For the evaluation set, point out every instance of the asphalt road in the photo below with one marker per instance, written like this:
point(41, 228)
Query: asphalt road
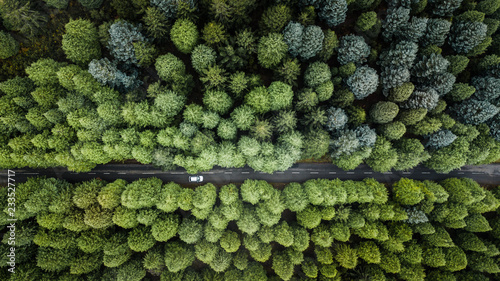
point(486, 174)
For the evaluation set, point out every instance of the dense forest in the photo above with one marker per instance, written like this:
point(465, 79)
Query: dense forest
point(324, 229)
point(194, 84)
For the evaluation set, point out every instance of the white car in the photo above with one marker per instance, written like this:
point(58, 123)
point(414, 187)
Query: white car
point(195, 178)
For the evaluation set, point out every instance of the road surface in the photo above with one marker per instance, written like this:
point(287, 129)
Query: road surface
point(485, 174)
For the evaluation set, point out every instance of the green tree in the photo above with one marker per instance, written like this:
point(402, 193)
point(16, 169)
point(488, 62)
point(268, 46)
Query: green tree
point(275, 18)
point(383, 157)
point(8, 45)
point(80, 42)
point(184, 35)
point(384, 112)
point(282, 265)
point(178, 256)
point(140, 239)
point(214, 33)
point(272, 50)
point(280, 95)
point(156, 23)
point(230, 241)
point(218, 101)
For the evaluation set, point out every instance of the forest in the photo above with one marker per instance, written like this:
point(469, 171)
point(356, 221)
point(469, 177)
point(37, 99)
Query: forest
point(251, 231)
point(194, 84)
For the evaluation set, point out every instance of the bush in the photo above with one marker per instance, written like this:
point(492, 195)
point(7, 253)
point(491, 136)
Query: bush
point(271, 50)
point(8, 45)
point(184, 35)
point(80, 42)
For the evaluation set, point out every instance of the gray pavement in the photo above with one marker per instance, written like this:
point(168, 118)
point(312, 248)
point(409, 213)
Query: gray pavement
point(485, 174)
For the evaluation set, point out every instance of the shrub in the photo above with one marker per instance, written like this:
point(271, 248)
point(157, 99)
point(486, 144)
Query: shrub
point(354, 49)
point(271, 50)
point(184, 35)
point(80, 42)
point(8, 45)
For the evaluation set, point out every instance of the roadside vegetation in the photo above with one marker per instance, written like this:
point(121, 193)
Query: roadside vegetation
point(317, 230)
point(194, 84)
